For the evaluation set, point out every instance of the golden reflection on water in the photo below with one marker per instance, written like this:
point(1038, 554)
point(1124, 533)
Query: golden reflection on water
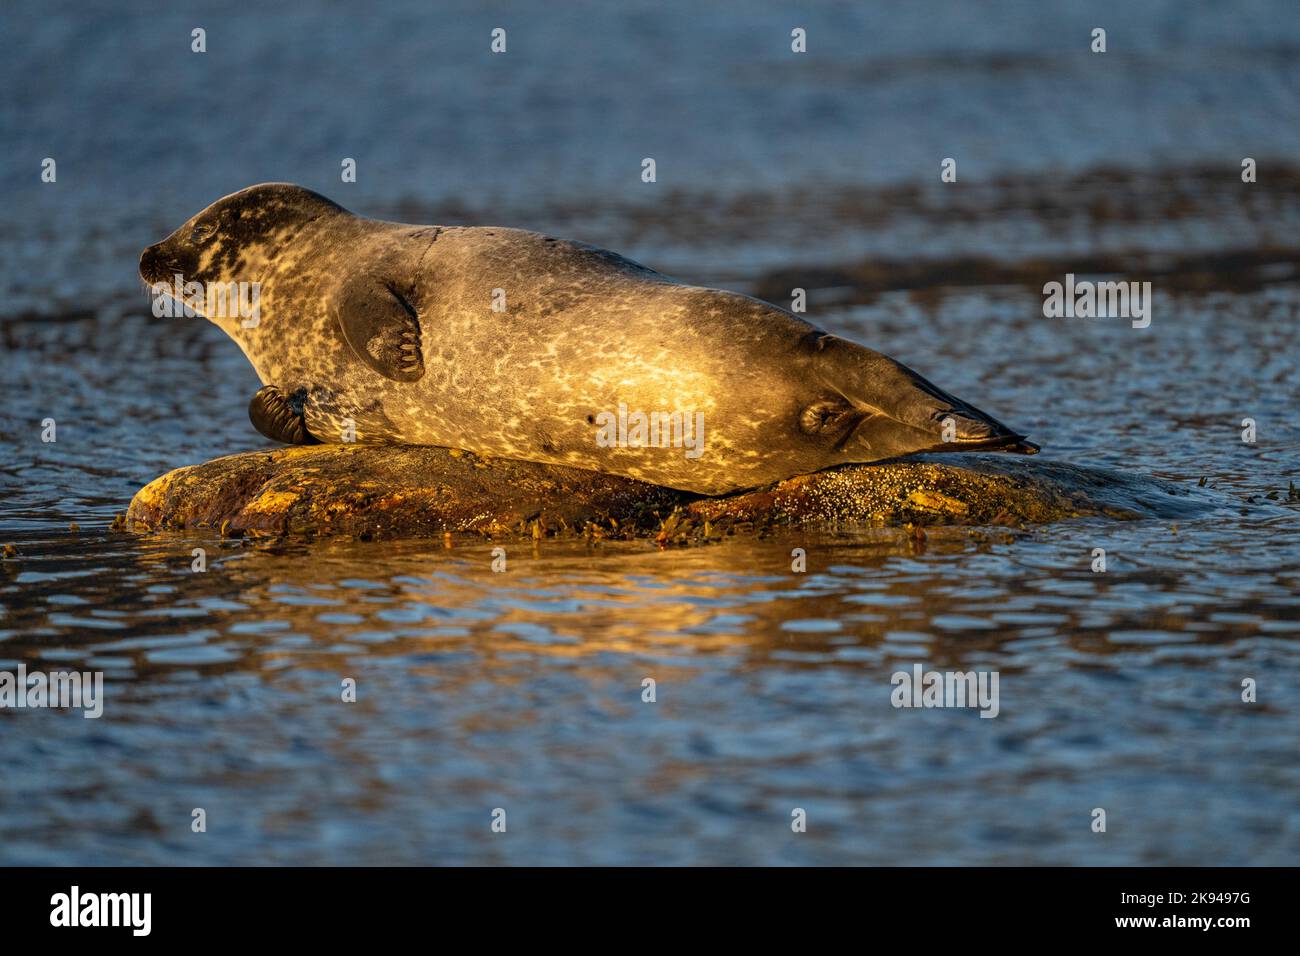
point(135, 607)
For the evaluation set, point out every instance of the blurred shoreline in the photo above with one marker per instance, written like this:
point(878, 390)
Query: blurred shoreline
point(1194, 229)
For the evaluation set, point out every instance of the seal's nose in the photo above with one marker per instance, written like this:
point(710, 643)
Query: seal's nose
point(149, 263)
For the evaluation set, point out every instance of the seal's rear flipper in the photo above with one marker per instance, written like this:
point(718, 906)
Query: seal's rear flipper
point(279, 418)
point(903, 412)
point(382, 329)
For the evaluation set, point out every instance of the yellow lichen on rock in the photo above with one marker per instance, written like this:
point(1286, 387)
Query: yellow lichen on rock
point(273, 502)
point(937, 502)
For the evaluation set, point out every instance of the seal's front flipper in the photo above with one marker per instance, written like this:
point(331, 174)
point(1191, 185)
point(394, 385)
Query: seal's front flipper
point(383, 330)
point(280, 418)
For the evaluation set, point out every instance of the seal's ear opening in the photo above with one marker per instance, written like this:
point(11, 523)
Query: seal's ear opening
point(382, 329)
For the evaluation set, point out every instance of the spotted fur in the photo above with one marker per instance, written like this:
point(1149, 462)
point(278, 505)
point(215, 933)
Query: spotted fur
point(584, 332)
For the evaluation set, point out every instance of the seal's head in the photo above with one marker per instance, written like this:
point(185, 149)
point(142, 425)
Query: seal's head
point(235, 239)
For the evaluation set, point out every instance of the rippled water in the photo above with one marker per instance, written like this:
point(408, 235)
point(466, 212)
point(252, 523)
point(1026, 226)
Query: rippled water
point(523, 690)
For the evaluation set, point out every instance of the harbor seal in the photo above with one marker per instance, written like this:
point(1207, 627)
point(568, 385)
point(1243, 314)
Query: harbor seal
point(513, 344)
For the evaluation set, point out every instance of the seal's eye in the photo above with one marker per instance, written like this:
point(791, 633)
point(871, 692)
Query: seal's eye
point(202, 231)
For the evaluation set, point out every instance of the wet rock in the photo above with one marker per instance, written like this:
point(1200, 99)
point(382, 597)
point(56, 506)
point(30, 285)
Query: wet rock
point(372, 491)
point(960, 489)
point(392, 490)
